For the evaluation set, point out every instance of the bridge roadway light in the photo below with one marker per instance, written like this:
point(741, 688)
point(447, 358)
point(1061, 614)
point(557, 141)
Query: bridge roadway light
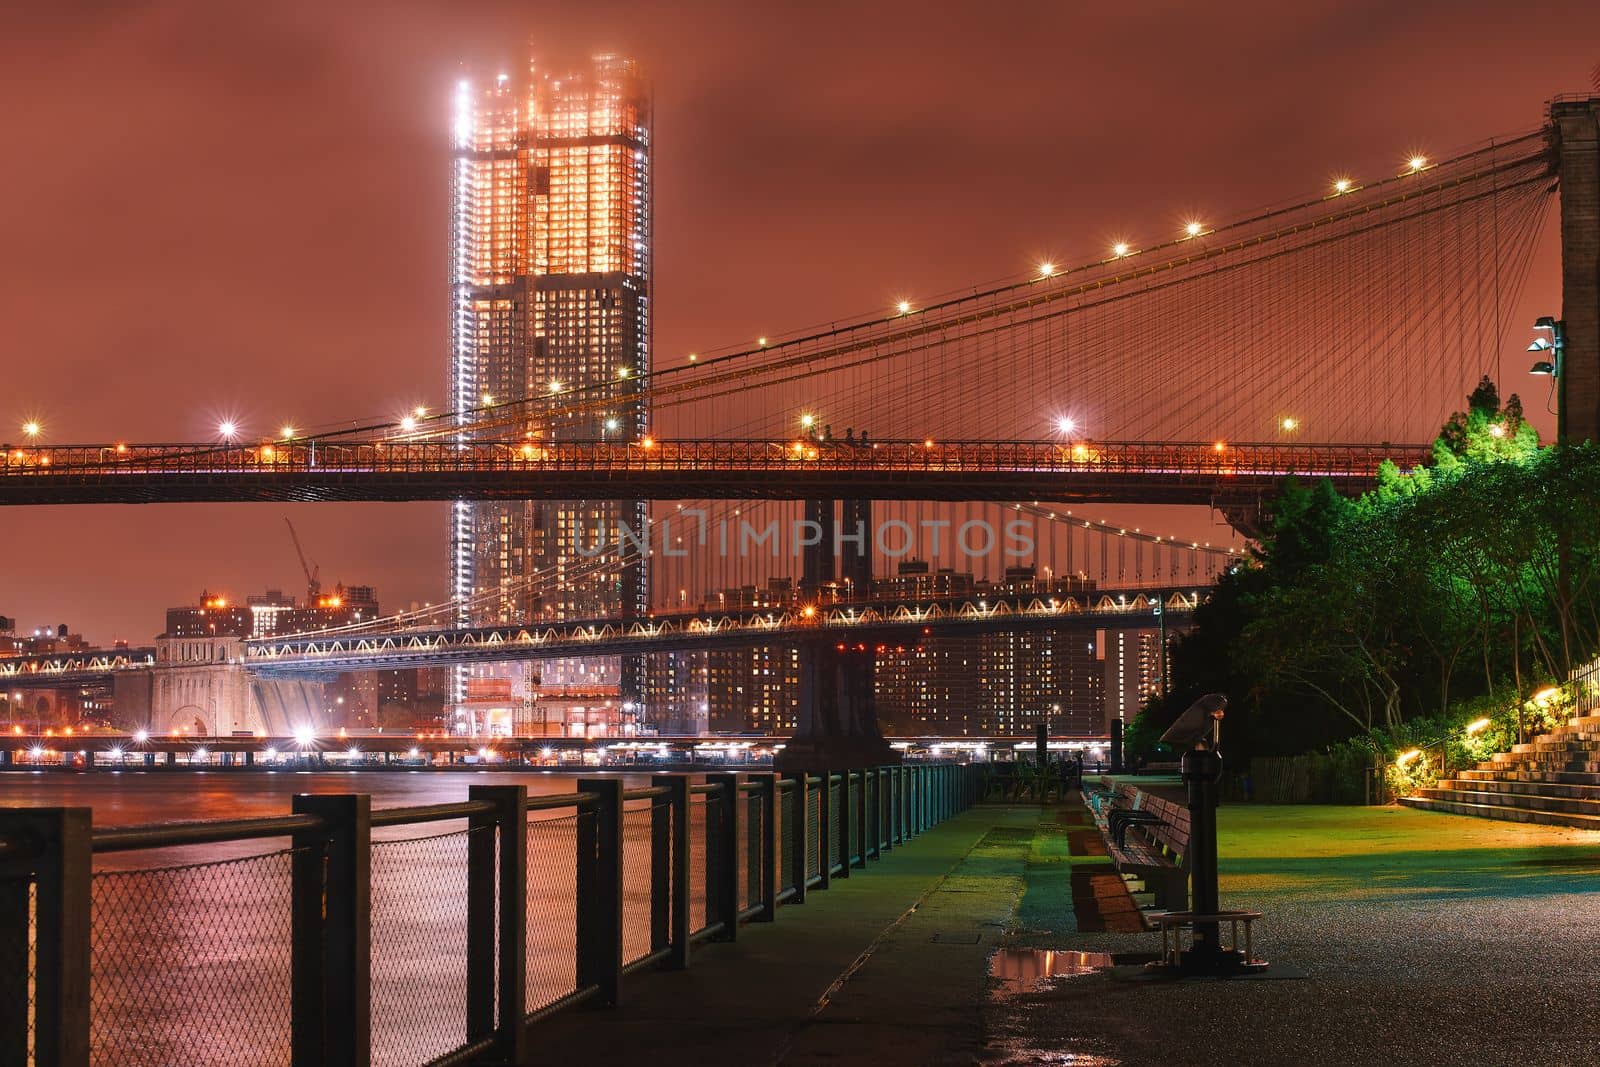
point(1120, 249)
point(1066, 426)
point(31, 428)
point(1194, 229)
point(1417, 163)
point(227, 429)
point(1343, 185)
point(903, 307)
point(1047, 270)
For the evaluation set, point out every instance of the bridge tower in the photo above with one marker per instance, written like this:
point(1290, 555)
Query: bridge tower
point(1575, 139)
point(837, 726)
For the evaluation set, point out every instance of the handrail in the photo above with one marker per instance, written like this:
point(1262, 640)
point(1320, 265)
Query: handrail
point(556, 801)
point(431, 813)
point(168, 835)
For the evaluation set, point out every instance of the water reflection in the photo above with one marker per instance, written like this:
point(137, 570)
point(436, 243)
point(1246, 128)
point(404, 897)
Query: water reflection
point(1028, 970)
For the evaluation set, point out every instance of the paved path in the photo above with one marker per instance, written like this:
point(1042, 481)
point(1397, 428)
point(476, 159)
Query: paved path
point(888, 966)
point(1425, 939)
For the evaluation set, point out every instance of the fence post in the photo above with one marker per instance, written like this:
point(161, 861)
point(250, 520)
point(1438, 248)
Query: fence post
point(897, 797)
point(800, 843)
point(825, 817)
point(660, 872)
point(861, 818)
point(771, 837)
point(845, 813)
point(678, 812)
point(56, 859)
point(726, 849)
point(506, 826)
point(343, 909)
point(869, 813)
point(600, 891)
point(885, 778)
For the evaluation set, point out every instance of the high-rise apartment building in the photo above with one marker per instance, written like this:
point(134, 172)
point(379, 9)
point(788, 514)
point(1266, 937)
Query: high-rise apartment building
point(550, 333)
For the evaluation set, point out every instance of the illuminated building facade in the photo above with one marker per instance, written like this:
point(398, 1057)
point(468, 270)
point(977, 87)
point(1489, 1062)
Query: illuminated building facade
point(1132, 670)
point(550, 277)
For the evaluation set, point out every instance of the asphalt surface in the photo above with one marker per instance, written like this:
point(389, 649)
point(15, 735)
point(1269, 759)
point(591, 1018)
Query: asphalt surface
point(1421, 938)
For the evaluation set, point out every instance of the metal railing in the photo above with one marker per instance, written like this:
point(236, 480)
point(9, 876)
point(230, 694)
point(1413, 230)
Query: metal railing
point(1276, 459)
point(440, 944)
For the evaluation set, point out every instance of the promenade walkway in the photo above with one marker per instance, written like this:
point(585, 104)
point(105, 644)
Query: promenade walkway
point(1425, 939)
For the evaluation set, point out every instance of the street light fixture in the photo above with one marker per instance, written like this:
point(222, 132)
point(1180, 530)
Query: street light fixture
point(1556, 345)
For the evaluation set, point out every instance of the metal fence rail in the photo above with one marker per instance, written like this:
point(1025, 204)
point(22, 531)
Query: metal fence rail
point(439, 945)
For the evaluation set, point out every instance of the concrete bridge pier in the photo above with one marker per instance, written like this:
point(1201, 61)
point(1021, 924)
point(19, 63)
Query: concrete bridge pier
point(838, 722)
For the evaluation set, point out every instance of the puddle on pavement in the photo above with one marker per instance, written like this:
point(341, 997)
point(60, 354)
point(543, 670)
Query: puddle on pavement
point(1019, 971)
point(1021, 1054)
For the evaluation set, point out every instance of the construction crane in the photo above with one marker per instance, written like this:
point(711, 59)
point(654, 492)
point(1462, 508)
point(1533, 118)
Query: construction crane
point(313, 571)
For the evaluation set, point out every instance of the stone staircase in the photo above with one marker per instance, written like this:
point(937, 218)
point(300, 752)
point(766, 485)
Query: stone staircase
point(1554, 779)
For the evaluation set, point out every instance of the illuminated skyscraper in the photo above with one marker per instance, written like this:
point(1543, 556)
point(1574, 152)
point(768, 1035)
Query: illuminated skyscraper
point(550, 287)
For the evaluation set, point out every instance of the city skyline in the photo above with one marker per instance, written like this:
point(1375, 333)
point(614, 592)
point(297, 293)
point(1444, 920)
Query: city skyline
point(163, 382)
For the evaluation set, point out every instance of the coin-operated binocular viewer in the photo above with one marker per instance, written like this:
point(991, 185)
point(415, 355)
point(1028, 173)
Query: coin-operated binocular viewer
point(1198, 732)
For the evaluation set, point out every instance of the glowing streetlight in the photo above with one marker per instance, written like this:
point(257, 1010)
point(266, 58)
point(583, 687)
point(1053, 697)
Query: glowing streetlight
point(227, 429)
point(1497, 430)
point(1066, 426)
point(286, 431)
point(762, 341)
point(1475, 725)
point(1290, 424)
point(1047, 270)
point(1120, 249)
point(1343, 185)
point(807, 421)
point(31, 428)
point(419, 411)
point(1416, 163)
point(903, 307)
point(555, 387)
point(611, 424)
point(624, 372)
point(408, 424)
point(1194, 229)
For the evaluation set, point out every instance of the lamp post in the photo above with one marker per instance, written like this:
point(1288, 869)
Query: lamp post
point(1556, 345)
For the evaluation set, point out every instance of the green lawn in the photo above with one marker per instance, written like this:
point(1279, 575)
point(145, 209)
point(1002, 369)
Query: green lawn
point(1371, 853)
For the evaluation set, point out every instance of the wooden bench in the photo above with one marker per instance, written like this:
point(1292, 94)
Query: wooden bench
point(1147, 836)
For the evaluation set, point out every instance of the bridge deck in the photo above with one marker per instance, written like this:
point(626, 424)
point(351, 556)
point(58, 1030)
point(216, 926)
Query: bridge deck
point(1185, 473)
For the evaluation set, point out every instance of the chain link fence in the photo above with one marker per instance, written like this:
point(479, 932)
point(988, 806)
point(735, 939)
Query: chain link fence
point(553, 908)
point(638, 880)
point(191, 964)
point(195, 964)
point(419, 946)
point(816, 851)
point(787, 800)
